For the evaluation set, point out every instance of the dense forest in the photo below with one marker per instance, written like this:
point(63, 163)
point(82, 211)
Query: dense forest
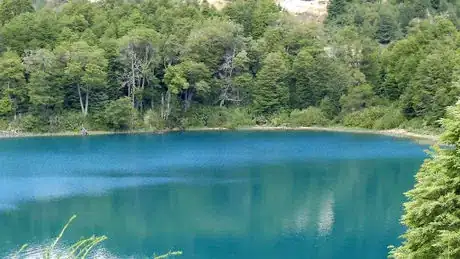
point(155, 64)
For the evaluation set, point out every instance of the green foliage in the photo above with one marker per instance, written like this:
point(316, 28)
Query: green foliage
point(6, 106)
point(239, 117)
point(174, 56)
point(82, 248)
point(271, 91)
point(153, 120)
point(432, 212)
point(12, 8)
point(335, 8)
point(69, 121)
point(387, 29)
point(29, 123)
point(168, 255)
point(119, 114)
point(219, 117)
point(357, 98)
point(432, 88)
point(415, 123)
point(29, 31)
point(377, 117)
point(305, 93)
point(365, 118)
point(311, 116)
point(329, 108)
point(314, 81)
point(186, 79)
point(78, 250)
point(375, 65)
point(393, 118)
point(280, 118)
point(12, 83)
point(209, 41)
point(254, 15)
point(3, 124)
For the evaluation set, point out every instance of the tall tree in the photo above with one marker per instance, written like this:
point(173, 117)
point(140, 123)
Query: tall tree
point(12, 81)
point(271, 90)
point(29, 31)
point(335, 8)
point(432, 214)
point(43, 74)
point(387, 29)
point(187, 79)
point(220, 45)
point(432, 89)
point(304, 92)
point(212, 41)
point(12, 8)
point(140, 56)
point(86, 69)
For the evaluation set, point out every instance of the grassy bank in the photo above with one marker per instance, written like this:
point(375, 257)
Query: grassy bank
point(424, 137)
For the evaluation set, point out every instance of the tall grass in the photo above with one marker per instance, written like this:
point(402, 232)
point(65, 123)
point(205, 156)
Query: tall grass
point(167, 255)
point(82, 248)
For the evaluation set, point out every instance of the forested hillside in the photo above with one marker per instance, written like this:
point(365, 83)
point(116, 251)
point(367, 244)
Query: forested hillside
point(155, 64)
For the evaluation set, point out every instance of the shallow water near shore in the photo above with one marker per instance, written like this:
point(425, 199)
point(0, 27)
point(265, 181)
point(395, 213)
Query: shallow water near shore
point(210, 194)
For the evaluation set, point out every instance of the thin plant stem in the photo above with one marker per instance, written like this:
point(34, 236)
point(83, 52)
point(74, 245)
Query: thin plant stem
point(51, 248)
point(23, 247)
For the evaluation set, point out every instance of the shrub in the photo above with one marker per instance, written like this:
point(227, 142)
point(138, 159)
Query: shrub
point(196, 116)
point(204, 116)
point(29, 123)
point(238, 117)
point(153, 120)
point(329, 108)
point(3, 124)
point(415, 123)
point(358, 98)
point(280, 119)
point(312, 116)
point(218, 117)
point(393, 118)
point(120, 114)
point(261, 120)
point(6, 106)
point(215, 117)
point(67, 121)
point(96, 120)
point(364, 118)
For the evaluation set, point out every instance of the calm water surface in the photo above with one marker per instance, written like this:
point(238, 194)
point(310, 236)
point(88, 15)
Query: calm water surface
point(210, 194)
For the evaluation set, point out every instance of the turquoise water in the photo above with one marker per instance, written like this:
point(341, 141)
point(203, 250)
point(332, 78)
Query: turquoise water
point(210, 194)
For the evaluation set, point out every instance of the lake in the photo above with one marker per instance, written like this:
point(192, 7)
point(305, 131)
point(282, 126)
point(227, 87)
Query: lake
point(209, 194)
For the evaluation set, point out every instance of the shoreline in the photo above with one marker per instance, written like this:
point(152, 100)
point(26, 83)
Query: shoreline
point(398, 133)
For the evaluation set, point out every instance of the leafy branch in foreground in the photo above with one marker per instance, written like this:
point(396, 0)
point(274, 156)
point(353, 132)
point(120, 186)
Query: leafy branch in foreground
point(432, 214)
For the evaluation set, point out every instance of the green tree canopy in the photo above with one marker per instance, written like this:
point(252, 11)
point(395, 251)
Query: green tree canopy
point(271, 91)
point(432, 214)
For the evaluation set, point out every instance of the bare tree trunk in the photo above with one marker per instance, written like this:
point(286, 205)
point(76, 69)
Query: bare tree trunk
point(162, 108)
point(188, 99)
point(141, 102)
point(81, 100)
point(87, 101)
point(133, 79)
point(168, 102)
point(13, 100)
point(222, 102)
